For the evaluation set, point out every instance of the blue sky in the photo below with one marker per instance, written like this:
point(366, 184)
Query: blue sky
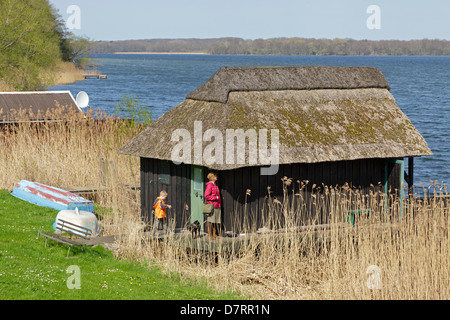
point(253, 19)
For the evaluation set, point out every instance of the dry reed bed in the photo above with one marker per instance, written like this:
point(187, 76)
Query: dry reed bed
point(407, 241)
point(5, 87)
point(65, 151)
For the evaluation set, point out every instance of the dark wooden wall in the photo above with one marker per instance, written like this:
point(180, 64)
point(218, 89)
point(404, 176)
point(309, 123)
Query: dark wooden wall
point(240, 209)
point(157, 175)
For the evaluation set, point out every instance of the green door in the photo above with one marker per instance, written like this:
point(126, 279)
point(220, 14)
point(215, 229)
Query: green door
point(197, 194)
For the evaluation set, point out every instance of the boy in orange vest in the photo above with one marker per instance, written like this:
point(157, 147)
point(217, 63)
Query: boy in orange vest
point(160, 212)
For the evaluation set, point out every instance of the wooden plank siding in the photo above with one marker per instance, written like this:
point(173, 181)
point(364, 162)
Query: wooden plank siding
point(394, 171)
point(178, 188)
point(238, 209)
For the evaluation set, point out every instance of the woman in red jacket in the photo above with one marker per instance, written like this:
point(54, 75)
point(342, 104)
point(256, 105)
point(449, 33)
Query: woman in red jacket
point(212, 195)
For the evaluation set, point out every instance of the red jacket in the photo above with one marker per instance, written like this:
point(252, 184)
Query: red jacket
point(212, 194)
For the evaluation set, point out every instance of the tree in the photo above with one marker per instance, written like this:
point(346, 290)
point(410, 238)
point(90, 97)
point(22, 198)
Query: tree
point(73, 48)
point(28, 42)
point(33, 39)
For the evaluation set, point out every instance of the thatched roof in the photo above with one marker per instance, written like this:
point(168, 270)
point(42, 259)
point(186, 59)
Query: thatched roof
point(34, 105)
point(319, 120)
point(229, 79)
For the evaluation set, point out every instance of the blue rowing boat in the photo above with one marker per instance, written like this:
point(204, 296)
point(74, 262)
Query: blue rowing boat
point(50, 197)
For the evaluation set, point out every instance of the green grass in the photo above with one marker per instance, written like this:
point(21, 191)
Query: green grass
point(28, 270)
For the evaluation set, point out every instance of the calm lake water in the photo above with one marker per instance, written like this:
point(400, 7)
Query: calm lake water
point(420, 85)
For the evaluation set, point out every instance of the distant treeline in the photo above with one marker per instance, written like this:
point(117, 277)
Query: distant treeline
point(279, 46)
point(155, 45)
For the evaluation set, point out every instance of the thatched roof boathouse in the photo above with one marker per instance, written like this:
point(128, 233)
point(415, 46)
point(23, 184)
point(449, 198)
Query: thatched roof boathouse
point(334, 125)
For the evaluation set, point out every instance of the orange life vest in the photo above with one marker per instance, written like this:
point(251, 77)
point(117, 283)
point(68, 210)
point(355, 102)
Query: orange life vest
point(160, 208)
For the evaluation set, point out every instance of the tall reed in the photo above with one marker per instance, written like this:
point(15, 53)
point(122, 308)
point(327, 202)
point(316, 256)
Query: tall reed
point(64, 151)
point(396, 249)
point(307, 250)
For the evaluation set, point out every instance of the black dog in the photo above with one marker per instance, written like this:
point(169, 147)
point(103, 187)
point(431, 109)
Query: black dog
point(194, 228)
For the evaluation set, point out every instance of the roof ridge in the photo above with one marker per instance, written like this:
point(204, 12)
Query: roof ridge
point(275, 78)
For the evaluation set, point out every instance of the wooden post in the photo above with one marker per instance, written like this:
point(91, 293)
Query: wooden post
point(410, 176)
point(107, 172)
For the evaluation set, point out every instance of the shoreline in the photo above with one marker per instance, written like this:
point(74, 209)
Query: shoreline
point(143, 52)
point(67, 73)
point(63, 73)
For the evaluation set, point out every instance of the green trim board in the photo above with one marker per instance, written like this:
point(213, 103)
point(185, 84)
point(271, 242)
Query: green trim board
point(386, 173)
point(197, 191)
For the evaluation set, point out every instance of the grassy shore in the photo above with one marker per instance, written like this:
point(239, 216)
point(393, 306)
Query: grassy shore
point(66, 154)
point(67, 72)
point(28, 270)
point(62, 73)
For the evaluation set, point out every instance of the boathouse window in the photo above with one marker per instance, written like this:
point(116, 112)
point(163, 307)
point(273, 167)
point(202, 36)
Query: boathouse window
point(164, 172)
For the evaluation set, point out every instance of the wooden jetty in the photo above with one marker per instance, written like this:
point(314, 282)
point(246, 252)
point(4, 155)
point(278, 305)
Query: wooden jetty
point(94, 74)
